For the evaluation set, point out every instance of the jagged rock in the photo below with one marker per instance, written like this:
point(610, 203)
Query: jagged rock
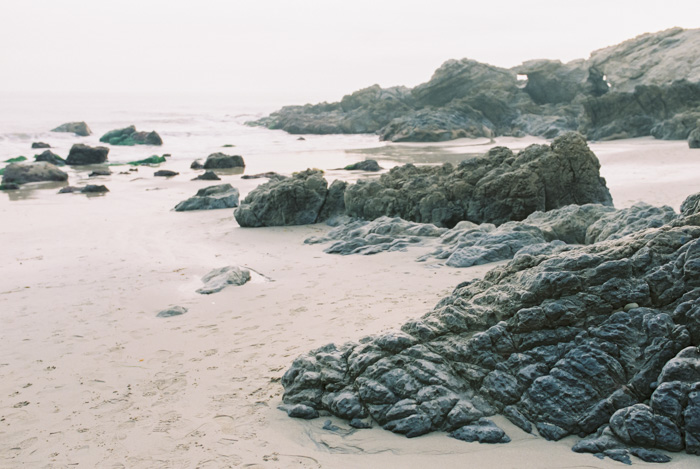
point(80, 154)
point(366, 165)
point(94, 189)
point(130, 136)
point(495, 188)
point(50, 157)
point(211, 198)
point(622, 91)
point(694, 138)
point(22, 173)
point(78, 128)
point(40, 145)
point(302, 199)
point(172, 311)
point(555, 337)
point(218, 279)
point(221, 161)
point(207, 176)
point(165, 173)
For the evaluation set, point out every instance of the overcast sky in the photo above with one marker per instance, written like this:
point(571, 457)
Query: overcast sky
point(297, 50)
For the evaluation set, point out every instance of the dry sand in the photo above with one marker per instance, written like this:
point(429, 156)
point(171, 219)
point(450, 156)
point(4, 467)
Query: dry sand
point(90, 377)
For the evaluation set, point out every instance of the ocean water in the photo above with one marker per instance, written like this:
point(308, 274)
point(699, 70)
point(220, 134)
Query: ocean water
point(191, 127)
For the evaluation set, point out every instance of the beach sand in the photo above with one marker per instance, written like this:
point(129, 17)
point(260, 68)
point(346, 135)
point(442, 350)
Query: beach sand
point(90, 377)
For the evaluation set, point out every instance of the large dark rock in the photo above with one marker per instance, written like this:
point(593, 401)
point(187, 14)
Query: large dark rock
point(496, 188)
point(22, 173)
point(50, 157)
point(130, 136)
point(604, 334)
point(82, 154)
point(621, 91)
point(222, 161)
point(210, 198)
point(78, 128)
point(302, 199)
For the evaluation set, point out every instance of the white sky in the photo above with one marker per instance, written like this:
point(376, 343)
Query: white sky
point(298, 50)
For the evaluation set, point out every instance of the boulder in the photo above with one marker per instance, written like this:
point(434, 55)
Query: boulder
point(50, 157)
point(207, 176)
point(298, 200)
point(22, 173)
point(130, 136)
point(694, 138)
point(40, 145)
point(498, 187)
point(597, 336)
point(78, 128)
point(165, 173)
point(80, 154)
point(210, 198)
point(94, 189)
point(366, 165)
point(222, 161)
point(218, 279)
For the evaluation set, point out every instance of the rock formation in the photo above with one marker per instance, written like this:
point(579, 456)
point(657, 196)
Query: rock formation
point(498, 187)
point(78, 128)
point(80, 154)
point(210, 198)
point(22, 173)
point(130, 136)
point(301, 199)
point(626, 90)
point(600, 340)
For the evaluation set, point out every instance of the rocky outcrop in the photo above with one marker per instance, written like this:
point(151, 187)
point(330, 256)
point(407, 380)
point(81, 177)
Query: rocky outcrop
point(130, 136)
point(22, 173)
point(50, 157)
point(569, 343)
point(218, 279)
point(302, 199)
point(211, 198)
point(498, 187)
point(694, 138)
point(78, 128)
point(80, 154)
point(222, 161)
point(464, 98)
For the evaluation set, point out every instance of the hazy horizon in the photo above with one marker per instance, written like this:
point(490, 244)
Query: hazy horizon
point(306, 51)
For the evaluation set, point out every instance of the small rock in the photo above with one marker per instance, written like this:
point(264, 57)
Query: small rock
point(367, 165)
point(207, 176)
point(484, 431)
point(100, 172)
point(165, 173)
point(218, 279)
point(173, 311)
point(94, 189)
point(357, 423)
point(80, 154)
point(619, 455)
point(50, 157)
point(649, 455)
point(222, 161)
point(11, 186)
point(301, 411)
point(79, 128)
point(196, 164)
point(694, 139)
point(69, 190)
point(40, 145)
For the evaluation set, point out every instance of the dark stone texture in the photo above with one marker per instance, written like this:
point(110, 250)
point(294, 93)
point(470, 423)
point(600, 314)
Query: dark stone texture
point(207, 176)
point(80, 154)
point(366, 165)
point(40, 145)
point(484, 431)
point(50, 157)
point(165, 173)
point(94, 189)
